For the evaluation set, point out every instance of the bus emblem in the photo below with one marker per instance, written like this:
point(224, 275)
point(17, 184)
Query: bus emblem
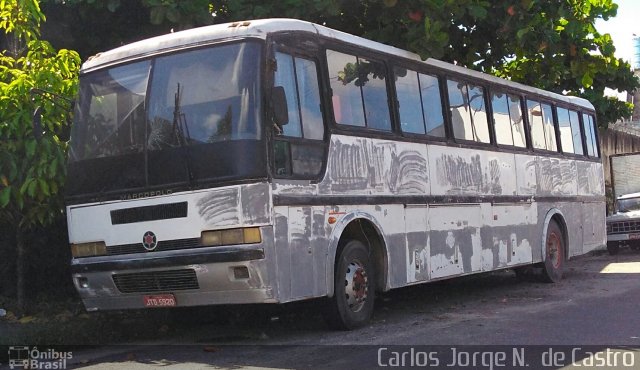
point(149, 241)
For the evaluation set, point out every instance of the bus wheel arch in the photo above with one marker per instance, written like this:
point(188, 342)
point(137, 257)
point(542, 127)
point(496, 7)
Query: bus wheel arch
point(364, 228)
point(358, 272)
point(555, 238)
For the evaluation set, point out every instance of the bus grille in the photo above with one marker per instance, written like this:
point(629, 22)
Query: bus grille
point(156, 281)
point(623, 227)
point(163, 245)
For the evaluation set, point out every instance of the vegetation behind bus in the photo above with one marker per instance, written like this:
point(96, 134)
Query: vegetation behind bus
point(32, 170)
point(550, 45)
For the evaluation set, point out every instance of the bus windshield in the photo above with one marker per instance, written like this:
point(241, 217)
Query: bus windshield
point(176, 118)
point(629, 204)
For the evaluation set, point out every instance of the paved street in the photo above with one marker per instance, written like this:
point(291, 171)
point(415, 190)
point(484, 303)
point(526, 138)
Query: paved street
point(595, 305)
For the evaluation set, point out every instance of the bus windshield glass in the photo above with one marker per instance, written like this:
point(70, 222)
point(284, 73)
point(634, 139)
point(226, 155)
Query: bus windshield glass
point(629, 204)
point(173, 119)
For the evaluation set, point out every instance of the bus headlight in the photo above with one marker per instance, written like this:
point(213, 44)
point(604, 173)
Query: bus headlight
point(88, 249)
point(248, 235)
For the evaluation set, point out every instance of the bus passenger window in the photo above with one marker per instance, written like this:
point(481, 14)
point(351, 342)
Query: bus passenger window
point(576, 133)
point(590, 135)
point(416, 91)
point(570, 134)
point(507, 117)
point(517, 121)
point(346, 94)
point(468, 112)
point(479, 113)
point(359, 91)
point(408, 91)
point(374, 92)
point(458, 109)
point(501, 119)
point(432, 105)
point(536, 123)
point(549, 127)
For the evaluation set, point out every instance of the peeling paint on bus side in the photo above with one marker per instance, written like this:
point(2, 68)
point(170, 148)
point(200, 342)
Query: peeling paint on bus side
point(471, 172)
point(556, 176)
point(526, 174)
point(372, 166)
point(430, 241)
point(590, 178)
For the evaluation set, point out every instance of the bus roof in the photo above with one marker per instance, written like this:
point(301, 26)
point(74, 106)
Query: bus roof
point(262, 27)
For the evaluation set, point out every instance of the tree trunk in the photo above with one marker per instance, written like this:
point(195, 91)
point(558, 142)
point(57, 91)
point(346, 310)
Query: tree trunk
point(21, 270)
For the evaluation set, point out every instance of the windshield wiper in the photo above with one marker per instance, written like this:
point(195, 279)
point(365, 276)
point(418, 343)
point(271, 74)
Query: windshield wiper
point(181, 130)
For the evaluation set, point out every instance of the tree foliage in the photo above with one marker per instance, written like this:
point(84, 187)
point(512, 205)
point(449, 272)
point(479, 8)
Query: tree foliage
point(553, 45)
point(32, 172)
point(117, 22)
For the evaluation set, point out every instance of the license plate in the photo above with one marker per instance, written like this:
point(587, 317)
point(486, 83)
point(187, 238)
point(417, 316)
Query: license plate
point(634, 236)
point(159, 300)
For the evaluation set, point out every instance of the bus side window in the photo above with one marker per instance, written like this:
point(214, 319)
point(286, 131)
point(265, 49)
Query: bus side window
point(507, 118)
point(549, 127)
point(570, 134)
point(536, 124)
point(468, 111)
point(590, 135)
point(359, 91)
point(501, 118)
point(415, 90)
point(408, 91)
point(517, 121)
point(576, 132)
point(299, 151)
point(432, 105)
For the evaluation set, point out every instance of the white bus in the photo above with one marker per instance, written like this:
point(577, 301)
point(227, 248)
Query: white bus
point(277, 160)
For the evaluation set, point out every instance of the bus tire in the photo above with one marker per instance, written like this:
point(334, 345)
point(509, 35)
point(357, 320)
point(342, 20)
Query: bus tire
point(354, 288)
point(554, 254)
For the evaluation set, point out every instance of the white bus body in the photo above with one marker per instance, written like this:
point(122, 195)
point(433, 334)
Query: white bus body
point(422, 209)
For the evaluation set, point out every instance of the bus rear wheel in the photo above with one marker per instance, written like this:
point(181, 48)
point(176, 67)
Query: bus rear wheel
point(354, 291)
point(554, 254)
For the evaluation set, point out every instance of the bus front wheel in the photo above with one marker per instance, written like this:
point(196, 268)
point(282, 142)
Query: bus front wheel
point(354, 291)
point(554, 254)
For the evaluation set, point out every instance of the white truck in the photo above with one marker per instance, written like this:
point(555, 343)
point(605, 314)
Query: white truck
point(623, 227)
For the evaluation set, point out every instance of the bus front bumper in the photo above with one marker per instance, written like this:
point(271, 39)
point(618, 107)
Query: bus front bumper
point(203, 276)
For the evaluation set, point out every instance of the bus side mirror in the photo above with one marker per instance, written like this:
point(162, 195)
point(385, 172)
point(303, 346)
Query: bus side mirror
point(279, 103)
point(36, 123)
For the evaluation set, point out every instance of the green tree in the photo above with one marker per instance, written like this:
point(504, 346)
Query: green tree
point(32, 171)
point(553, 45)
point(117, 22)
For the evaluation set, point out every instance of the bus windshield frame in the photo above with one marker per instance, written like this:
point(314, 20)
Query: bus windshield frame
point(177, 119)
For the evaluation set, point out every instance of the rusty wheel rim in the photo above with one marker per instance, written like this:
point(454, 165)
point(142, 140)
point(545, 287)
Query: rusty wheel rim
point(554, 249)
point(356, 286)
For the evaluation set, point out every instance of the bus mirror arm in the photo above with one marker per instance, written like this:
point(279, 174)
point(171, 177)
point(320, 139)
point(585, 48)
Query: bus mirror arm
point(279, 104)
